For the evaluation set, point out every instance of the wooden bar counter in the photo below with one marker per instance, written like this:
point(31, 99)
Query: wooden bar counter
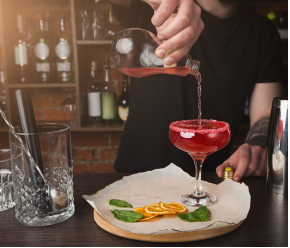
point(266, 224)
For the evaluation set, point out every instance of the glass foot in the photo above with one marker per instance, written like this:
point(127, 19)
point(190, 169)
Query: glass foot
point(205, 199)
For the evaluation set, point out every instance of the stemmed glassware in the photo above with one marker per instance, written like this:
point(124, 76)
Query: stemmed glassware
point(97, 26)
point(199, 141)
point(84, 24)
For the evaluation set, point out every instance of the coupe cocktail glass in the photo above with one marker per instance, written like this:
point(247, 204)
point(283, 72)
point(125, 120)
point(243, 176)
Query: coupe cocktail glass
point(199, 141)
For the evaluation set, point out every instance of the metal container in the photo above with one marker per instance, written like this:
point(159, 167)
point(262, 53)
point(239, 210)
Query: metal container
point(277, 148)
point(228, 173)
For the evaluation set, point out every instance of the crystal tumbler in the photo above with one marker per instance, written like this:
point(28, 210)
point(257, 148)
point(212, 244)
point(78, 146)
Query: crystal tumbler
point(6, 186)
point(30, 192)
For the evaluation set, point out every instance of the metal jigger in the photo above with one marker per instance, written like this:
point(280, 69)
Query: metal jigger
point(277, 148)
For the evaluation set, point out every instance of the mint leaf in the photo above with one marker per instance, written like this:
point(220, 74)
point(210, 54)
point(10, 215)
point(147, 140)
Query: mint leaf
point(203, 213)
point(185, 217)
point(119, 203)
point(199, 215)
point(126, 215)
point(202, 208)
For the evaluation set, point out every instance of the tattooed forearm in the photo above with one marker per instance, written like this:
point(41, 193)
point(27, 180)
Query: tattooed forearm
point(257, 136)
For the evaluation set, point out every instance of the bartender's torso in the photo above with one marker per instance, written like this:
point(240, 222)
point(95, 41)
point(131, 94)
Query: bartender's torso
point(231, 52)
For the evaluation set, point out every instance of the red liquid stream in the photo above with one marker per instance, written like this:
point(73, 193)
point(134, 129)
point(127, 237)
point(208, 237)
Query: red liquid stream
point(199, 140)
point(198, 79)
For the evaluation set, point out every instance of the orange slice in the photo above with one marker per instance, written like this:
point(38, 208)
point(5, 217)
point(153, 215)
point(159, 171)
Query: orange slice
point(146, 216)
point(154, 208)
point(173, 206)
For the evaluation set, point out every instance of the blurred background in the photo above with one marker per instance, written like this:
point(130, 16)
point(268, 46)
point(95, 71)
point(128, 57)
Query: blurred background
point(57, 49)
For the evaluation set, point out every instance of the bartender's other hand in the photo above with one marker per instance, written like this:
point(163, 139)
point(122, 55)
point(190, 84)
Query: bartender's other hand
point(178, 25)
point(246, 161)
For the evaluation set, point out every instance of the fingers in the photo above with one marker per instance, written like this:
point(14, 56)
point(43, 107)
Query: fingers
point(254, 162)
point(263, 165)
point(179, 31)
point(246, 161)
point(228, 163)
point(179, 45)
point(260, 169)
point(188, 15)
point(163, 11)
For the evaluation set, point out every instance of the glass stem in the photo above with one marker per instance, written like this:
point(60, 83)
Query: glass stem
point(198, 168)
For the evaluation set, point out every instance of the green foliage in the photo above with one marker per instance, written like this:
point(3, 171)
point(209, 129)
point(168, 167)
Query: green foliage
point(126, 215)
point(199, 215)
point(120, 203)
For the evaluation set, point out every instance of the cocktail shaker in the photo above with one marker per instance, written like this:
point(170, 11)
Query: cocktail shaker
point(277, 148)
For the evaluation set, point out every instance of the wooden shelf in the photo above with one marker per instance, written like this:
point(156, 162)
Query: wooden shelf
point(80, 50)
point(87, 128)
point(42, 85)
point(94, 42)
point(100, 128)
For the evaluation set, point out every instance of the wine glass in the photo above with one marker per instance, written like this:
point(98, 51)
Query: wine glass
point(84, 24)
point(199, 141)
point(69, 108)
point(97, 26)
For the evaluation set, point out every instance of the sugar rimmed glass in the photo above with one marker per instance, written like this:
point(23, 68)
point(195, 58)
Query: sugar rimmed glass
point(199, 141)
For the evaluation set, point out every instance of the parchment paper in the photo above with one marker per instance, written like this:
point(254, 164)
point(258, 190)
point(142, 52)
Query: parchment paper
point(167, 185)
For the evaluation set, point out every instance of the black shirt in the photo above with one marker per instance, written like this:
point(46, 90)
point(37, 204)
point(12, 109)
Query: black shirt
point(234, 53)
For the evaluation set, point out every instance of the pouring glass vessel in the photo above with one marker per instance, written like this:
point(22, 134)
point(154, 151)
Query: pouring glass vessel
point(133, 53)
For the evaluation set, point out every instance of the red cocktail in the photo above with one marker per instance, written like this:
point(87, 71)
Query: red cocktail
point(199, 141)
point(148, 71)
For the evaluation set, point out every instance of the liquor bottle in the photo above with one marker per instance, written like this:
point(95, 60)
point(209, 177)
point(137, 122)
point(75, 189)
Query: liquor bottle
point(49, 31)
point(112, 26)
point(3, 106)
point(108, 97)
point(30, 31)
point(123, 102)
point(3, 99)
point(20, 52)
point(63, 53)
point(43, 54)
point(2, 82)
point(94, 96)
point(69, 109)
point(29, 34)
point(1, 66)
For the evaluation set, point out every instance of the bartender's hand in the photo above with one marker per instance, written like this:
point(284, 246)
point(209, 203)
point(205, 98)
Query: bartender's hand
point(250, 158)
point(178, 25)
point(247, 161)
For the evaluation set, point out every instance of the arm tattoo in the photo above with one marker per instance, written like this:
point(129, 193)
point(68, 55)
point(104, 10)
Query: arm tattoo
point(257, 135)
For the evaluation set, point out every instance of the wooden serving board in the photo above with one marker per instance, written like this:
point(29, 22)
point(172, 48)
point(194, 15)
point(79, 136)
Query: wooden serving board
point(168, 237)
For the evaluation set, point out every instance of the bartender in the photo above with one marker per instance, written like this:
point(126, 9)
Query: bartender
point(240, 55)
